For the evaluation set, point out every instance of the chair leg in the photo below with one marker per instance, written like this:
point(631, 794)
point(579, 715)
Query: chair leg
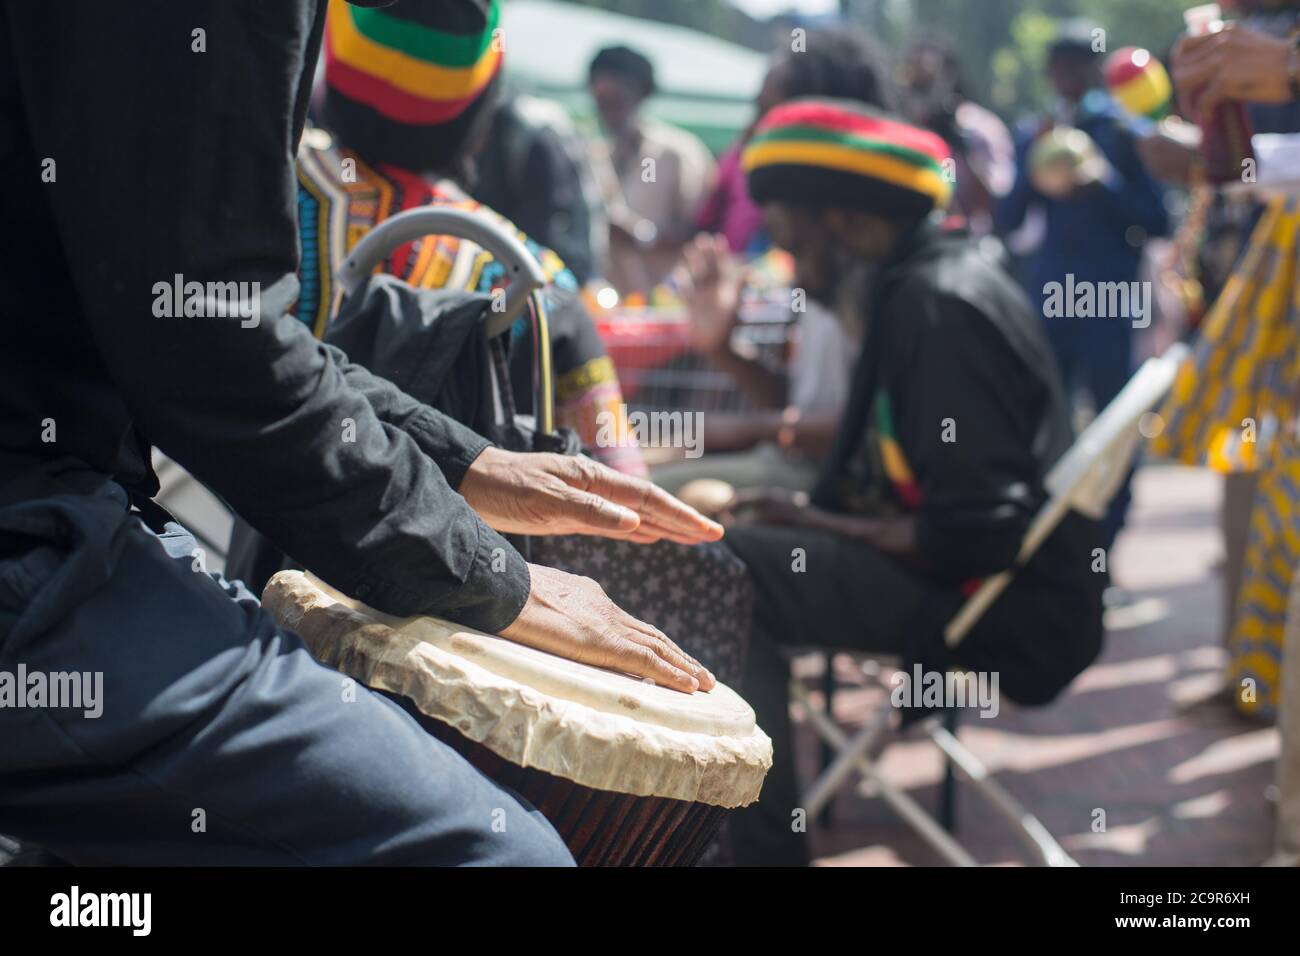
point(852, 756)
point(948, 786)
point(1028, 826)
point(857, 753)
point(848, 752)
point(828, 752)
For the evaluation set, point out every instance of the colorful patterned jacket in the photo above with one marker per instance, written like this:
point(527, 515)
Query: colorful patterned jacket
point(340, 198)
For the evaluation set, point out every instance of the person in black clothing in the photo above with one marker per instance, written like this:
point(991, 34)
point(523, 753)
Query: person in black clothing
point(534, 171)
point(1096, 226)
point(955, 414)
point(147, 266)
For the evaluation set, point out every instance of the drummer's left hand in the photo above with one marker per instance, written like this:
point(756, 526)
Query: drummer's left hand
point(543, 494)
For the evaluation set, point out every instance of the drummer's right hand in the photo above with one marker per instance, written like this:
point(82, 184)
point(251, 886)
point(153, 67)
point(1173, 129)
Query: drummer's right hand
point(541, 493)
point(572, 616)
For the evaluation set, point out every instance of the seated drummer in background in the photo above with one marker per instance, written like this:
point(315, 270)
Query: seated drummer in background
point(955, 414)
point(784, 439)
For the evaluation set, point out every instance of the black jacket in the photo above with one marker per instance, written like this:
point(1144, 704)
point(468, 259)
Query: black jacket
point(980, 415)
point(134, 149)
point(976, 403)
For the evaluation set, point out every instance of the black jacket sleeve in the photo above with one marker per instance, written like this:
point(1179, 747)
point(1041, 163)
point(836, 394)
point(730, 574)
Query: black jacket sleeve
point(964, 416)
point(450, 444)
point(173, 127)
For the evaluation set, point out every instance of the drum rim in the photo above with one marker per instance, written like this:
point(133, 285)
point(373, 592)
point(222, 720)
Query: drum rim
point(722, 712)
point(514, 721)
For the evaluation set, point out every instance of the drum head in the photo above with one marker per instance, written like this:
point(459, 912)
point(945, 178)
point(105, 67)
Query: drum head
point(596, 727)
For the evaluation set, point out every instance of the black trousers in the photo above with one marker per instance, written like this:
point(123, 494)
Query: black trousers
point(817, 589)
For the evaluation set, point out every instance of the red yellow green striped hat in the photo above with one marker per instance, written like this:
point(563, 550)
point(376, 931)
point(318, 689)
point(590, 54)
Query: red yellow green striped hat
point(405, 84)
point(828, 152)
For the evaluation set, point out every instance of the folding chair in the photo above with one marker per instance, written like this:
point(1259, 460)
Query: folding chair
point(1085, 479)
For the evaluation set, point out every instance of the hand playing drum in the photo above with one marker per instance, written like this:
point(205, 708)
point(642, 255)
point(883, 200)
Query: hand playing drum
point(544, 494)
point(628, 773)
point(571, 616)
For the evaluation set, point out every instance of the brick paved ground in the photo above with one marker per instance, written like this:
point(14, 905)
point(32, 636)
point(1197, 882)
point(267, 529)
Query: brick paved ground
point(1180, 785)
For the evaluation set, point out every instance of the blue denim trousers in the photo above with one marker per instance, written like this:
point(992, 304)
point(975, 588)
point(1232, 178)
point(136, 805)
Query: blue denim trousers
point(218, 739)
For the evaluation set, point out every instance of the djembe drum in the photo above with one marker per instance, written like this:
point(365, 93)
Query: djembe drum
point(628, 773)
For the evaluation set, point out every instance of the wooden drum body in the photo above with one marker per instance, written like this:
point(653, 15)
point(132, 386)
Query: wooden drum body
point(627, 772)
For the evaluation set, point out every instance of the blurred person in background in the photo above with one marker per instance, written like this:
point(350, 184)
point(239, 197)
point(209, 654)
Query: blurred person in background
point(653, 176)
point(1248, 367)
point(784, 439)
point(535, 171)
point(906, 516)
point(933, 95)
point(1097, 223)
point(1251, 60)
point(844, 63)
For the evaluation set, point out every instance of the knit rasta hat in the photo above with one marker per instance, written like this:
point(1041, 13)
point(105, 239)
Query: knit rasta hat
point(825, 152)
point(406, 84)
